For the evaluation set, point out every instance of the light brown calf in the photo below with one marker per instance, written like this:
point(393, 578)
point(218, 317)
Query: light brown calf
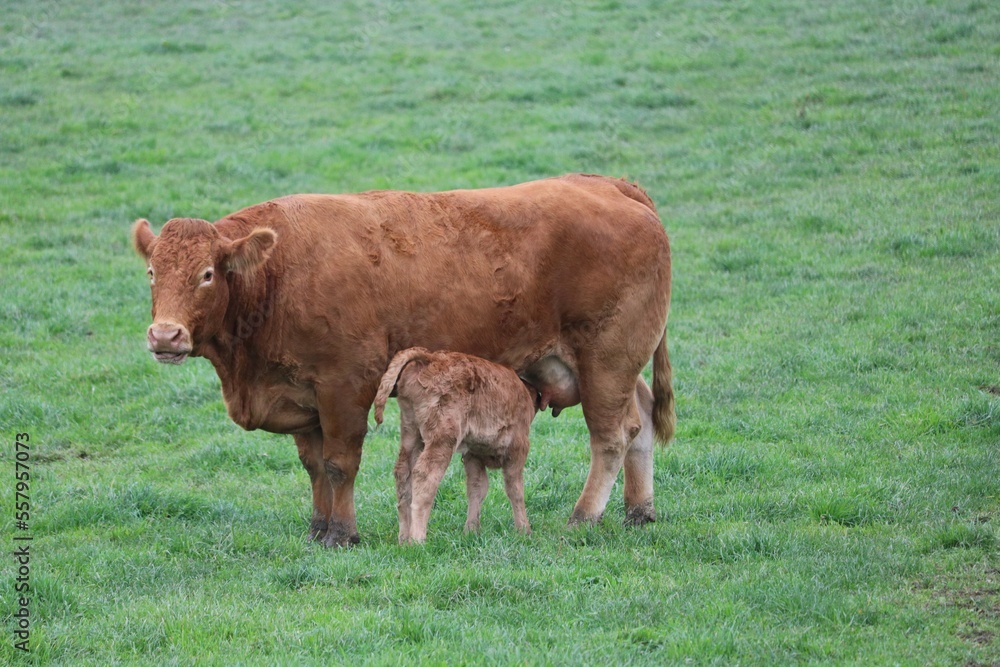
point(451, 402)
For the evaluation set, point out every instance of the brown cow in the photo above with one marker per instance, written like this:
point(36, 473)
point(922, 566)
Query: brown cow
point(299, 303)
point(451, 402)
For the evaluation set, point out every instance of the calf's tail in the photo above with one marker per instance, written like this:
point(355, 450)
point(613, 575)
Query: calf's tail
point(664, 415)
point(388, 382)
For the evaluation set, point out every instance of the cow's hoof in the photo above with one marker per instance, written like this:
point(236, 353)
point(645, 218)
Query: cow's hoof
point(317, 530)
point(641, 514)
point(340, 537)
point(579, 518)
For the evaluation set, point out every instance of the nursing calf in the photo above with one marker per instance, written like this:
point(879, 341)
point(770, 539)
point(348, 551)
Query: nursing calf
point(451, 402)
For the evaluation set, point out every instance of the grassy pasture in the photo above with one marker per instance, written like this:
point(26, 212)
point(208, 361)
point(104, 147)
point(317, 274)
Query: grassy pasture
point(829, 175)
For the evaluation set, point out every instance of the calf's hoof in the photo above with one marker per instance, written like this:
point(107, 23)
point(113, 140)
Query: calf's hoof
point(641, 514)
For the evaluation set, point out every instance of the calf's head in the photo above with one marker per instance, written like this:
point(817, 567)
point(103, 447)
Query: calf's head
point(191, 269)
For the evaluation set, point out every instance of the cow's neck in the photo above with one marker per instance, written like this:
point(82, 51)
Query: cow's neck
point(235, 351)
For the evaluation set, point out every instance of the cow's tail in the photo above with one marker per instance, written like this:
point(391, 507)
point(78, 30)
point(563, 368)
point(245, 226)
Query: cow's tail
point(664, 415)
point(388, 382)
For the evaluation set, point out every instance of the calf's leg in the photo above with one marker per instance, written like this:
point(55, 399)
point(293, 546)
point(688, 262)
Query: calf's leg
point(477, 483)
point(439, 447)
point(409, 450)
point(513, 479)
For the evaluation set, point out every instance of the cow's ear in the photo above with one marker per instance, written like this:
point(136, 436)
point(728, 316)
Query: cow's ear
point(143, 238)
point(245, 255)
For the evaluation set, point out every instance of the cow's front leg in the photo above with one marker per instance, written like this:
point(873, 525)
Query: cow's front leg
point(310, 446)
point(344, 420)
point(341, 459)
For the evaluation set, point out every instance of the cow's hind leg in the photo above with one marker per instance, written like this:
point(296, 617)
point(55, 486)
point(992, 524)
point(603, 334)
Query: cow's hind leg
point(609, 407)
point(477, 483)
point(639, 463)
point(310, 446)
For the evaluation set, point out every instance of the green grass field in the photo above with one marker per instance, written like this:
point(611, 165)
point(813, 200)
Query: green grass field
point(829, 175)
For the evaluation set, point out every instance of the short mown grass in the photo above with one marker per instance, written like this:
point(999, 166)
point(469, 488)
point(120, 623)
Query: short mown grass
point(829, 176)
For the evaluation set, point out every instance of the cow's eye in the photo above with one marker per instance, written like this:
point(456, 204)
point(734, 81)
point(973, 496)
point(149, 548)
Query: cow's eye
point(152, 277)
point(206, 279)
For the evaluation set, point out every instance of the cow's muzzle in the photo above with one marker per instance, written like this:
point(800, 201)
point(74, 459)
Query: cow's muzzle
point(170, 343)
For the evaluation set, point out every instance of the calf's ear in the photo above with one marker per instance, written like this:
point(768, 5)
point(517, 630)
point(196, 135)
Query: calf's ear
point(245, 255)
point(143, 238)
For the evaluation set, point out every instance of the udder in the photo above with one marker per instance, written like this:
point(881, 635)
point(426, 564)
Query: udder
point(555, 382)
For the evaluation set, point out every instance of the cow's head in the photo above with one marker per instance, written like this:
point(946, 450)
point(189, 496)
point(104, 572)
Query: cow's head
point(191, 268)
